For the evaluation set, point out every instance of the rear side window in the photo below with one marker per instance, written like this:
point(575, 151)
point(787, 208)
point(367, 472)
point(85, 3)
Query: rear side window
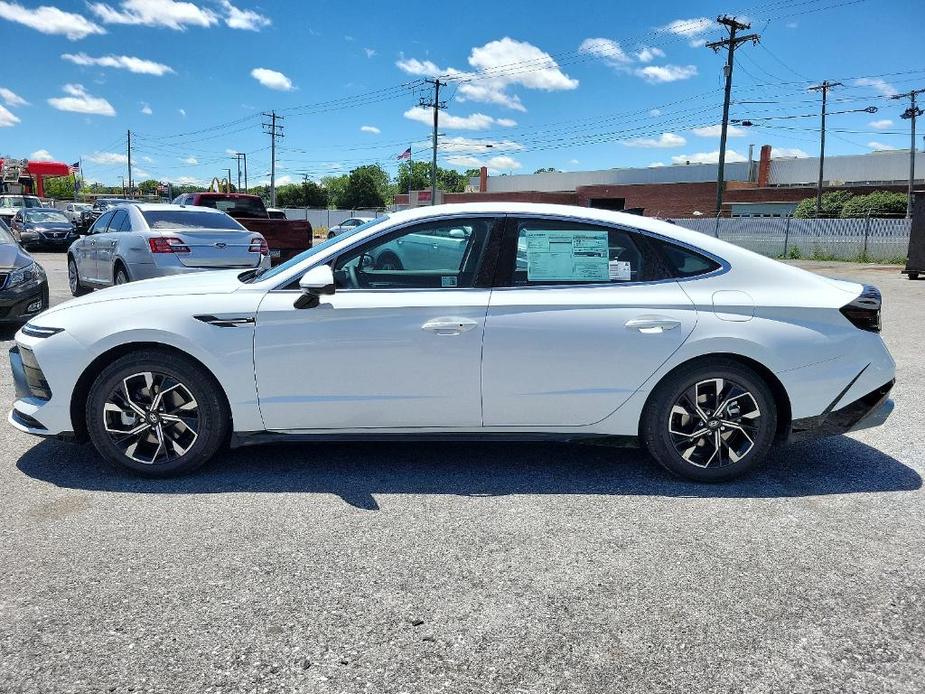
point(562, 252)
point(188, 219)
point(683, 262)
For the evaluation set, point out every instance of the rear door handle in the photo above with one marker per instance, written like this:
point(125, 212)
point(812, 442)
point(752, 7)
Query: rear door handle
point(449, 326)
point(652, 325)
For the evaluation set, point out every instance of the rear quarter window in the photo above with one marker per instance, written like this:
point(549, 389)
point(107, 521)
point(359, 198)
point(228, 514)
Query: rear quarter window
point(683, 262)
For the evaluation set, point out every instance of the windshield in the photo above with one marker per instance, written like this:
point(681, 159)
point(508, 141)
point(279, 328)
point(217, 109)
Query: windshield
point(189, 219)
point(45, 216)
point(304, 255)
point(19, 201)
point(236, 207)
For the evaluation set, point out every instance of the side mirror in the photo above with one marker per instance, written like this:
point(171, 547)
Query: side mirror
point(458, 234)
point(317, 281)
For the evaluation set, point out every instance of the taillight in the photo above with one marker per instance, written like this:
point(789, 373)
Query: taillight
point(864, 312)
point(167, 244)
point(259, 245)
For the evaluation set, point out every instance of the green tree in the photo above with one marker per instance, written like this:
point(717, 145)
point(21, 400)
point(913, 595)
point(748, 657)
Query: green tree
point(877, 203)
point(367, 186)
point(548, 169)
point(60, 187)
point(148, 187)
point(336, 187)
point(448, 180)
point(832, 204)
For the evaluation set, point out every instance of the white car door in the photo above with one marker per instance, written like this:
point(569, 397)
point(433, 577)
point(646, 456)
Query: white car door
point(393, 348)
point(583, 317)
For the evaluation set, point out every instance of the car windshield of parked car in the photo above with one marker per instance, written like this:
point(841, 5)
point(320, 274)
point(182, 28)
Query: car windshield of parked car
point(189, 220)
point(305, 255)
point(19, 201)
point(37, 216)
point(236, 207)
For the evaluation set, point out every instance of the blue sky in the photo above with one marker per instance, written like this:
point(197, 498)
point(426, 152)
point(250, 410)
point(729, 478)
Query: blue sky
point(569, 85)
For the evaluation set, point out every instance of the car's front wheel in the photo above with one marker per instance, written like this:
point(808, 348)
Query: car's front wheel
point(73, 279)
point(157, 414)
point(710, 421)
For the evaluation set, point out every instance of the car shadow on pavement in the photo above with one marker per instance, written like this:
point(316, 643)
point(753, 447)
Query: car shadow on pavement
point(356, 472)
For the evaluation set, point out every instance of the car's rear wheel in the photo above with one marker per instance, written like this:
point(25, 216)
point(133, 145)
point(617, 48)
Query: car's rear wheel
point(711, 421)
point(73, 279)
point(331, 234)
point(156, 414)
point(121, 276)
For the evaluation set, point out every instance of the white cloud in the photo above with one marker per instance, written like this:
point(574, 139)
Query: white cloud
point(231, 152)
point(41, 155)
point(663, 140)
point(370, 52)
point(121, 62)
point(188, 181)
point(271, 79)
point(50, 20)
point(155, 13)
point(495, 73)
point(147, 159)
point(495, 164)
point(107, 158)
point(11, 98)
point(877, 84)
point(657, 74)
point(607, 50)
point(690, 29)
point(506, 122)
point(247, 20)
point(140, 174)
point(372, 129)
point(788, 153)
point(192, 161)
point(708, 157)
point(474, 121)
point(284, 180)
point(880, 146)
point(182, 112)
point(146, 109)
point(465, 145)
point(647, 54)
point(791, 25)
point(656, 165)
point(573, 161)
point(655, 112)
point(7, 119)
point(79, 101)
point(881, 124)
point(716, 131)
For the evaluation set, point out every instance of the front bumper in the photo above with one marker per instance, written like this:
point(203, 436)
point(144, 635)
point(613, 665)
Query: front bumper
point(870, 410)
point(22, 303)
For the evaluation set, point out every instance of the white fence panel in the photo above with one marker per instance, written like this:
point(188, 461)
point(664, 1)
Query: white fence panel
point(326, 218)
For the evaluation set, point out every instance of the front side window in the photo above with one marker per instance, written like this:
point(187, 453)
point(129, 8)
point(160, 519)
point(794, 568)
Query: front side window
point(100, 225)
point(441, 254)
point(563, 252)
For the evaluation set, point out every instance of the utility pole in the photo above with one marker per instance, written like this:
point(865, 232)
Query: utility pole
point(228, 181)
point(730, 44)
point(237, 161)
point(130, 187)
point(910, 114)
point(824, 88)
point(122, 178)
point(275, 131)
point(436, 105)
point(243, 155)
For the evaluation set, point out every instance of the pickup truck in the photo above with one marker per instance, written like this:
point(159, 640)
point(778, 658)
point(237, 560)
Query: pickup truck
point(286, 238)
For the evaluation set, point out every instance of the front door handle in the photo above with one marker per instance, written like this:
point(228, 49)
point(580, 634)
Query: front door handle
point(449, 326)
point(652, 325)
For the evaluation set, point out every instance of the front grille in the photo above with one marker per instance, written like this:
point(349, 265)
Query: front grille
point(3, 276)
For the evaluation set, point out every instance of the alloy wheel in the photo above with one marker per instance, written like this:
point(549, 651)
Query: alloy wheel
point(152, 418)
point(73, 279)
point(714, 423)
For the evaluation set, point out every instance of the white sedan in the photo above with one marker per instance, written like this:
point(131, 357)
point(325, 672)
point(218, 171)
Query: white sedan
point(533, 322)
point(348, 225)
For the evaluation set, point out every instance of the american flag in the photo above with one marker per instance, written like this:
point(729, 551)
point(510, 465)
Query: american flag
point(75, 167)
point(405, 155)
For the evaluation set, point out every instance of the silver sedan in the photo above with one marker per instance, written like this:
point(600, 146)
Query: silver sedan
point(142, 240)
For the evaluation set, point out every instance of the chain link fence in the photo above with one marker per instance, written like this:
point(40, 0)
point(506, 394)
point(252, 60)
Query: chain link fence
point(866, 239)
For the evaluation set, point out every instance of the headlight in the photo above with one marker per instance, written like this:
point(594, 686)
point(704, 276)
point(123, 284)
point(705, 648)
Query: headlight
point(30, 273)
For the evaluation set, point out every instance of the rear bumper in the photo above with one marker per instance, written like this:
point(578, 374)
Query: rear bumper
point(870, 410)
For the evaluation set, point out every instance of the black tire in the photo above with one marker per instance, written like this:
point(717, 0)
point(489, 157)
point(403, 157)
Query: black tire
point(331, 234)
point(120, 276)
point(745, 434)
point(73, 279)
point(913, 275)
point(178, 447)
point(388, 261)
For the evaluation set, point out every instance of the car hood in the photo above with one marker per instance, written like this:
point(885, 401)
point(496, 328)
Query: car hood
point(12, 256)
point(196, 283)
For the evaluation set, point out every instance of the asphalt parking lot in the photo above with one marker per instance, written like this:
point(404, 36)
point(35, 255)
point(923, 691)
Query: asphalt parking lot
point(473, 568)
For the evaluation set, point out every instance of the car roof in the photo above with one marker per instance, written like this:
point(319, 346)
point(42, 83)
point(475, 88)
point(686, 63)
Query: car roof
point(165, 206)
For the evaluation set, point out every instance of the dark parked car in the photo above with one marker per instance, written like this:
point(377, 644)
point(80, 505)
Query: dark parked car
point(23, 286)
point(100, 205)
point(43, 228)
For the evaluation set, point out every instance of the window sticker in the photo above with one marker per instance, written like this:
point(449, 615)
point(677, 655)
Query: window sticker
point(620, 270)
point(448, 281)
point(567, 256)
